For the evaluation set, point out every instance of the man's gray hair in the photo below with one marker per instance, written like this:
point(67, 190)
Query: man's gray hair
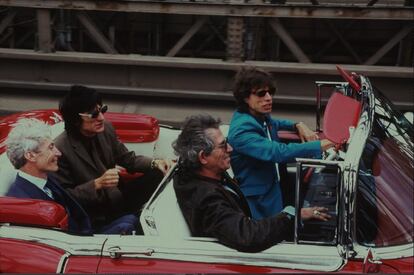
point(27, 135)
point(193, 139)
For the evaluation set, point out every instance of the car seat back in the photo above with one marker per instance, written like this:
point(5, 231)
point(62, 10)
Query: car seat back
point(162, 215)
point(341, 113)
point(33, 212)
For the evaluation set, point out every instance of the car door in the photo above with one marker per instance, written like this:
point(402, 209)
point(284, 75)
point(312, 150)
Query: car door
point(156, 254)
point(26, 249)
point(168, 247)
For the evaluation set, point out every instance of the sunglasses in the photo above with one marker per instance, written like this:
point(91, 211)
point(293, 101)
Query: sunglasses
point(264, 91)
point(223, 145)
point(95, 113)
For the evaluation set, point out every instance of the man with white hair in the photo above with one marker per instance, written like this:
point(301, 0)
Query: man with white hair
point(30, 149)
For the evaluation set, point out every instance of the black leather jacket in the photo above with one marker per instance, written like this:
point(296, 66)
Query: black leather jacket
point(212, 211)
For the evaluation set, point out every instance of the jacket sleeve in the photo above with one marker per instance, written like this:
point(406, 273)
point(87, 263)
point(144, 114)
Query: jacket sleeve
point(284, 124)
point(126, 158)
point(234, 229)
point(248, 139)
point(84, 192)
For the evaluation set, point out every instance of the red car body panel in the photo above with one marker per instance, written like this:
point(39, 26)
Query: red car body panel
point(27, 257)
point(109, 265)
point(82, 264)
point(394, 266)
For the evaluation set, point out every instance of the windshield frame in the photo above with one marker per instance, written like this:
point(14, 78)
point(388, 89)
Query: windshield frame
point(388, 149)
point(369, 98)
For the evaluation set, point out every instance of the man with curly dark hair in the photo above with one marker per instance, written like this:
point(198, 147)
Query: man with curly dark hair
point(257, 150)
point(91, 155)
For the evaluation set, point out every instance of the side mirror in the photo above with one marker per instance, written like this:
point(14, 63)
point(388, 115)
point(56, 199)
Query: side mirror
point(33, 212)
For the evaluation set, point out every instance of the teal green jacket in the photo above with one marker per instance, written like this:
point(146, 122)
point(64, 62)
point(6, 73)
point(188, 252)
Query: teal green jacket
point(254, 155)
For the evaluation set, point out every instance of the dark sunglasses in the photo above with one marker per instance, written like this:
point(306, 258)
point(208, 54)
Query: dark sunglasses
point(95, 113)
point(223, 145)
point(263, 92)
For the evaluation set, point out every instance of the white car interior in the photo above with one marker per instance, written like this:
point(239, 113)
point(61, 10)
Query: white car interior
point(162, 219)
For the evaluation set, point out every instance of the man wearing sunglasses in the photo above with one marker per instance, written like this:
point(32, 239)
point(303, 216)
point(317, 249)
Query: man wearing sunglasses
point(91, 153)
point(258, 159)
point(212, 203)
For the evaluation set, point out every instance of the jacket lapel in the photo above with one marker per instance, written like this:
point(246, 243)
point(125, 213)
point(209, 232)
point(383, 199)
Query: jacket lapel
point(32, 190)
point(231, 183)
point(79, 149)
point(76, 211)
point(103, 144)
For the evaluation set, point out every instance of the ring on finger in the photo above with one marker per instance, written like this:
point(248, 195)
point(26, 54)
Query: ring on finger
point(316, 213)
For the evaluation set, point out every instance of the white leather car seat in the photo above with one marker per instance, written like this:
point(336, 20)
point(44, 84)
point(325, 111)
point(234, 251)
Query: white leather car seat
point(7, 174)
point(162, 215)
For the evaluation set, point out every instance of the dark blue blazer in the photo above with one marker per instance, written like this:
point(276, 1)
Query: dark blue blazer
point(79, 221)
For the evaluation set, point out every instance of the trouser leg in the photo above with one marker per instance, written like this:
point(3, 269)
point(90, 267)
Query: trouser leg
point(137, 192)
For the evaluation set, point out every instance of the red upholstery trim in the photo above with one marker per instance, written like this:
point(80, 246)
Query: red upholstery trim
point(33, 212)
point(341, 112)
point(134, 128)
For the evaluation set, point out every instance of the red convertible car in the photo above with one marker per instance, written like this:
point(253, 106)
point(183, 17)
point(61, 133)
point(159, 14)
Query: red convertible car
point(366, 182)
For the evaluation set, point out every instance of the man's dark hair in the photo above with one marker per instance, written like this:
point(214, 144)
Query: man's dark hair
point(79, 99)
point(249, 78)
point(193, 139)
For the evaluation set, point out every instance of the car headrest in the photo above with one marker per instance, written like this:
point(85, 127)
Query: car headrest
point(33, 212)
point(341, 113)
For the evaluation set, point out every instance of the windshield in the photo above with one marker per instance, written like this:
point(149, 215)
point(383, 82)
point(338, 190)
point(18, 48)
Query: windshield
point(385, 180)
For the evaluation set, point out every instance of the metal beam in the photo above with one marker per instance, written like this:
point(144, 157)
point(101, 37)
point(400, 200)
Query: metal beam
point(224, 9)
point(7, 20)
point(372, 2)
point(6, 36)
point(390, 44)
point(95, 33)
point(44, 32)
point(187, 36)
point(167, 77)
point(288, 40)
point(235, 41)
point(199, 63)
point(343, 41)
point(215, 32)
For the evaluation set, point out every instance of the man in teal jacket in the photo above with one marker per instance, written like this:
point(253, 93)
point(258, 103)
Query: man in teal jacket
point(257, 150)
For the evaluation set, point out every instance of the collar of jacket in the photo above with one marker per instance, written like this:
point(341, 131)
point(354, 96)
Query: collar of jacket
point(226, 180)
point(259, 120)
